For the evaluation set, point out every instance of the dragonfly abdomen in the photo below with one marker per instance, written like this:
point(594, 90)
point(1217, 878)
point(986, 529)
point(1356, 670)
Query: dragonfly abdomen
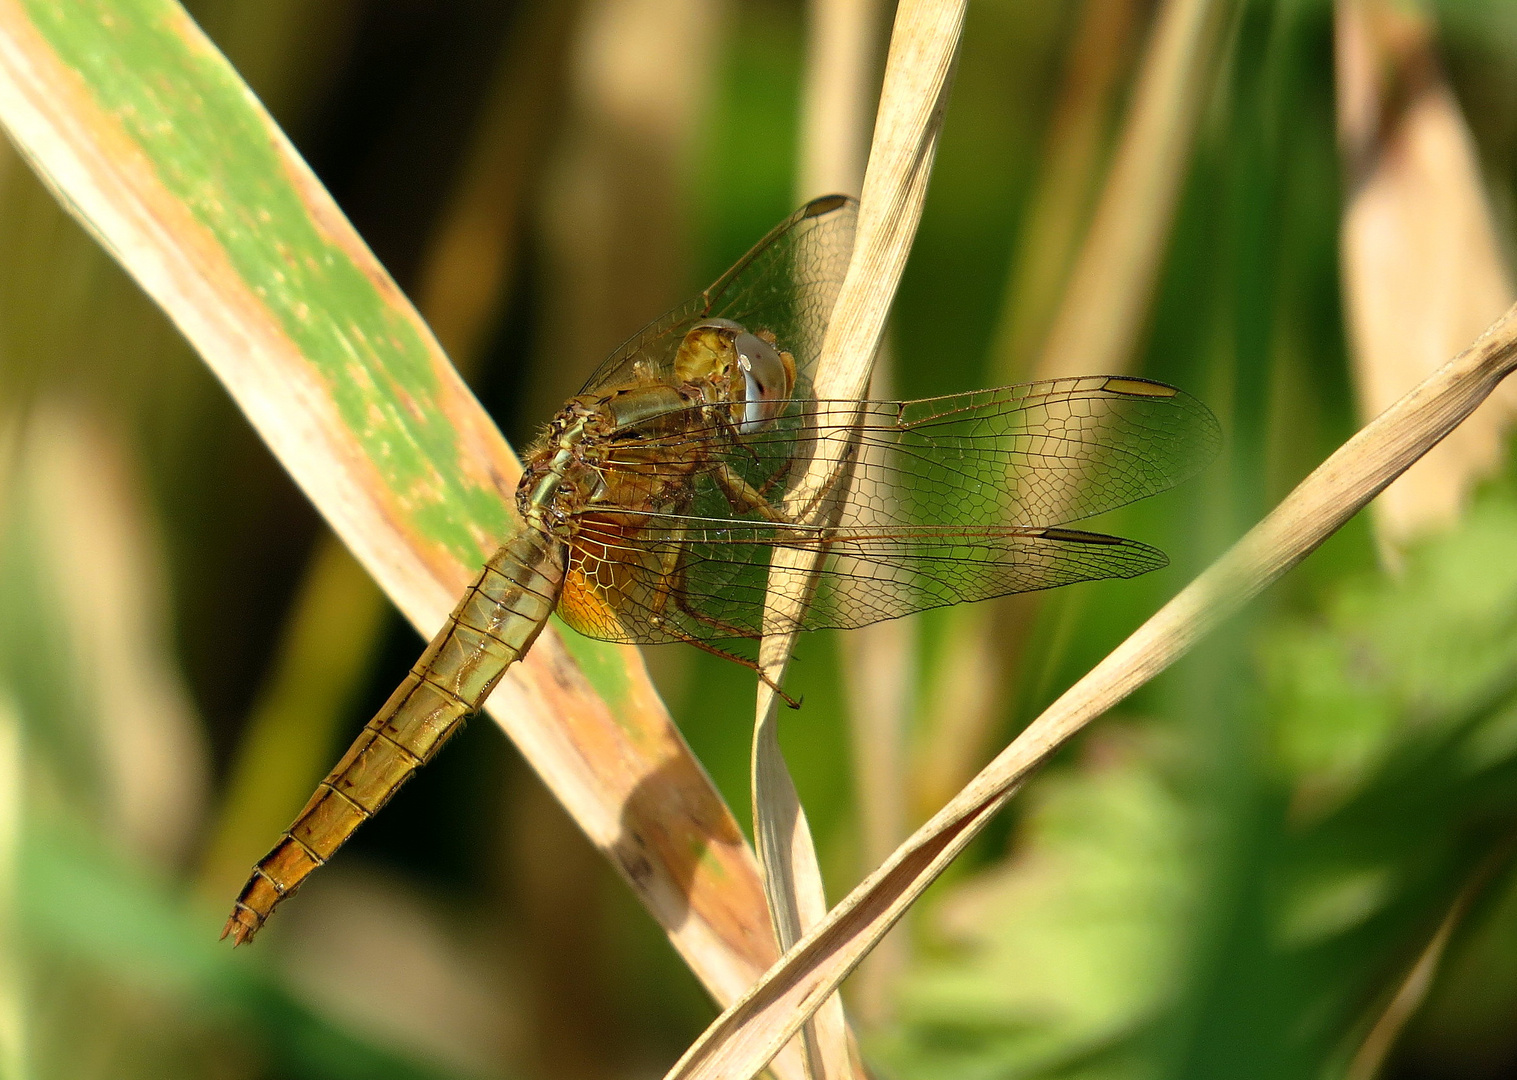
point(492, 627)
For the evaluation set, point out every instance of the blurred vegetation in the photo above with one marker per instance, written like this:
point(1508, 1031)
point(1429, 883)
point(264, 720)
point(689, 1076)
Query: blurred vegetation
point(1236, 875)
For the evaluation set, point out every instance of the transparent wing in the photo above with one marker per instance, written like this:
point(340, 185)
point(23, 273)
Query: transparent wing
point(786, 284)
point(687, 579)
point(1034, 455)
point(953, 499)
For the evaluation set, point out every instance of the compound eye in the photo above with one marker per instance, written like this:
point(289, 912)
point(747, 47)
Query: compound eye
point(767, 380)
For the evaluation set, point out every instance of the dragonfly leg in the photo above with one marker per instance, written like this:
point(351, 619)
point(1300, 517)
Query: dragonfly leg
point(671, 585)
point(745, 497)
point(706, 646)
point(774, 478)
point(672, 574)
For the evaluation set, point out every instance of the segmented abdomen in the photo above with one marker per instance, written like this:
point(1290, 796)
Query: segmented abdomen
point(492, 627)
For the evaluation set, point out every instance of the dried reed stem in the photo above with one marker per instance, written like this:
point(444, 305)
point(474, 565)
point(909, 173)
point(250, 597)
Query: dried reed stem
point(918, 72)
point(1106, 302)
point(1422, 263)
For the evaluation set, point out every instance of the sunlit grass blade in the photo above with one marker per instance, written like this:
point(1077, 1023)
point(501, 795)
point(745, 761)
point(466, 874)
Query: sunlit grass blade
point(918, 72)
point(747, 1035)
point(157, 147)
point(339, 614)
point(839, 89)
point(1423, 267)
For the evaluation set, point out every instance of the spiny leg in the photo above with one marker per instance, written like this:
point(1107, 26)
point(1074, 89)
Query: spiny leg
point(753, 665)
point(744, 497)
point(671, 584)
point(775, 477)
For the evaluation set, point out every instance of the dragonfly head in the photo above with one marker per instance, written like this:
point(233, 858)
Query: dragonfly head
point(747, 369)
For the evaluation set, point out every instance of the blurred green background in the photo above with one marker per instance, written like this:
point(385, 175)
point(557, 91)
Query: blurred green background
point(1291, 856)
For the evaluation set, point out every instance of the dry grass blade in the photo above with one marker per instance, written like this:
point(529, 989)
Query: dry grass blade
point(1106, 302)
point(918, 72)
point(1070, 165)
point(150, 140)
point(1422, 264)
point(841, 84)
point(748, 1034)
point(1410, 995)
point(793, 886)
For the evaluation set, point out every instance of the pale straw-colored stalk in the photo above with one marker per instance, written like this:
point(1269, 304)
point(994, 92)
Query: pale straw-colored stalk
point(1409, 996)
point(737, 1045)
point(1105, 305)
point(1423, 267)
point(918, 73)
point(840, 86)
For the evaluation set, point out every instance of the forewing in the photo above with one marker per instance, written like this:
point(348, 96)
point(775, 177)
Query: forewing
point(786, 284)
point(1034, 455)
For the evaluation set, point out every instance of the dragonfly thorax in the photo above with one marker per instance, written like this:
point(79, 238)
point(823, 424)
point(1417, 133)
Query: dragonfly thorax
point(554, 480)
point(593, 456)
point(724, 377)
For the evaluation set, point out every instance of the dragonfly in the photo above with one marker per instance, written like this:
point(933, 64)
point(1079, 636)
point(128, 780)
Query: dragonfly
point(654, 502)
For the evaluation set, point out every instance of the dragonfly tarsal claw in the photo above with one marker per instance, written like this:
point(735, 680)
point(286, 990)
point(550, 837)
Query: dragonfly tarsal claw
point(794, 703)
